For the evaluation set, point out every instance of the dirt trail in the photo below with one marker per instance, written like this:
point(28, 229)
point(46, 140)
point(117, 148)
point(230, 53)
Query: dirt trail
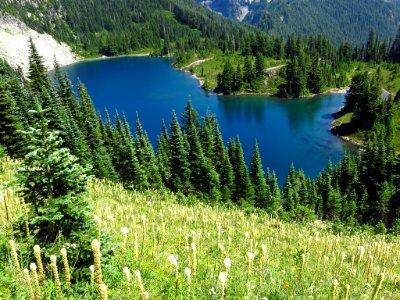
point(196, 63)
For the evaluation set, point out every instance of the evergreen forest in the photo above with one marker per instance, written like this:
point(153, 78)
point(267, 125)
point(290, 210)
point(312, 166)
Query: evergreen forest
point(191, 159)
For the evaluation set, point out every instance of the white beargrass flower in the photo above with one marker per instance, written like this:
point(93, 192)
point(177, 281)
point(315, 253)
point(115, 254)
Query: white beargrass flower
point(227, 263)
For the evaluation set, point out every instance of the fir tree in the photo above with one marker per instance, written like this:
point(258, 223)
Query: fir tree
point(259, 66)
point(203, 178)
point(248, 71)
point(189, 117)
point(131, 173)
point(243, 194)
point(227, 179)
point(53, 184)
point(218, 150)
point(102, 165)
point(315, 78)
point(274, 191)
point(9, 124)
point(37, 71)
point(145, 153)
point(261, 192)
point(163, 155)
point(179, 164)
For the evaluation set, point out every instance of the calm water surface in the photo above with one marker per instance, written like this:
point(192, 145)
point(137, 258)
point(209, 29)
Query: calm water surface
point(287, 131)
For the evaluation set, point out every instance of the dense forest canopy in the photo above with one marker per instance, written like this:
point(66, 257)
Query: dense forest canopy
point(340, 20)
point(120, 26)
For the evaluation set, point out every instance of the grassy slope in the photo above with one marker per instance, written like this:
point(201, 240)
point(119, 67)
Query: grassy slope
point(301, 260)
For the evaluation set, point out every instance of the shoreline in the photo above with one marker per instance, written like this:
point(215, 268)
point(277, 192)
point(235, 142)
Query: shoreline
point(350, 140)
point(88, 59)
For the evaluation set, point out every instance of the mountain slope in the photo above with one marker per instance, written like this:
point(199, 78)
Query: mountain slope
point(14, 45)
point(113, 27)
point(340, 20)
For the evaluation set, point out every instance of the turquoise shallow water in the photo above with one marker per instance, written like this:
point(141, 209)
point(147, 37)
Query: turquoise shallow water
point(286, 130)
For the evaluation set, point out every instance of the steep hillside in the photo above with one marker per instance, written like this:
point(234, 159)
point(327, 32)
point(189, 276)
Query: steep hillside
point(14, 45)
point(113, 27)
point(340, 20)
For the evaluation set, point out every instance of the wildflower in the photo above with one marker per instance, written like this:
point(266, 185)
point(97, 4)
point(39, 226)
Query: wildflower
point(172, 259)
point(33, 268)
point(103, 291)
point(66, 268)
point(124, 230)
point(227, 263)
point(250, 255)
point(188, 272)
point(53, 265)
point(264, 249)
point(222, 278)
point(28, 283)
point(286, 284)
point(15, 255)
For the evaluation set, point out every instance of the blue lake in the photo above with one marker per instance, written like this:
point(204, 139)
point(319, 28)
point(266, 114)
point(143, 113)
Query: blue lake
point(287, 131)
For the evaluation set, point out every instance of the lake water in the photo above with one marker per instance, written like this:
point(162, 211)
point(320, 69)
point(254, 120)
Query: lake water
point(287, 131)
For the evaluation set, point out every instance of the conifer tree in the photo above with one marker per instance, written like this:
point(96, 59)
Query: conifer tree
point(37, 71)
point(227, 179)
point(53, 184)
point(21, 99)
point(243, 194)
point(9, 124)
point(248, 71)
point(356, 92)
point(238, 82)
point(315, 78)
point(218, 153)
point(163, 154)
point(261, 192)
point(66, 95)
point(274, 191)
point(203, 178)
point(226, 80)
point(102, 165)
point(189, 117)
point(207, 139)
point(259, 66)
point(179, 164)
point(131, 173)
point(145, 153)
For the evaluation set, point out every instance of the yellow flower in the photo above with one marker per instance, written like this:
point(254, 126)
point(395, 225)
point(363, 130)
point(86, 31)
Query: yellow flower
point(286, 284)
point(108, 292)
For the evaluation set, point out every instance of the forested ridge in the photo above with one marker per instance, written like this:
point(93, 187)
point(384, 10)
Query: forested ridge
point(309, 65)
point(340, 20)
point(191, 158)
point(121, 26)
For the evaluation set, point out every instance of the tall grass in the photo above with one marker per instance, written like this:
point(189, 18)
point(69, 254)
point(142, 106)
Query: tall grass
point(182, 251)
